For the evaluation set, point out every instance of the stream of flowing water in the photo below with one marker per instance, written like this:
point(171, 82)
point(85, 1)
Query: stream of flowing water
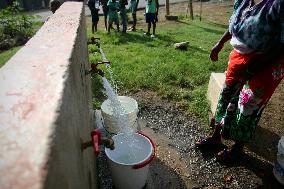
point(108, 69)
point(123, 122)
point(119, 113)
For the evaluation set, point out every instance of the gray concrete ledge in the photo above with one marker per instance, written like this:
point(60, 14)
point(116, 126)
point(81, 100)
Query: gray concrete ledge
point(45, 99)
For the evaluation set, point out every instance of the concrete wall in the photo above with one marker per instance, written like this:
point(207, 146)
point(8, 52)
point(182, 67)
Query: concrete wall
point(45, 103)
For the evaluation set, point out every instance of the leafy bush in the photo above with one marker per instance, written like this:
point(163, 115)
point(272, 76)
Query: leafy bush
point(15, 27)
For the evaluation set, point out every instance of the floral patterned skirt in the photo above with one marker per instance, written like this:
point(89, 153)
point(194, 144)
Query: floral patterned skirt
point(241, 103)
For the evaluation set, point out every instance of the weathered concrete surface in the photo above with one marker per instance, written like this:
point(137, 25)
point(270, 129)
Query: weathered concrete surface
point(45, 102)
point(214, 88)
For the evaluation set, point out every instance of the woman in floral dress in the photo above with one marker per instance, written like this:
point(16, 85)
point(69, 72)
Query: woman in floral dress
point(255, 68)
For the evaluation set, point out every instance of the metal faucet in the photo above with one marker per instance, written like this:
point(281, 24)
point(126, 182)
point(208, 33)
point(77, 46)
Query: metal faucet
point(96, 141)
point(94, 68)
point(107, 142)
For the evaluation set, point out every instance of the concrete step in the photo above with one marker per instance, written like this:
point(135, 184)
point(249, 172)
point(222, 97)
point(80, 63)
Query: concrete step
point(214, 89)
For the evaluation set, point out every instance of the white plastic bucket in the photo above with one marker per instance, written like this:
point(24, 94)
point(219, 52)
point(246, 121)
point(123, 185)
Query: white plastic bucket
point(278, 170)
point(128, 171)
point(129, 105)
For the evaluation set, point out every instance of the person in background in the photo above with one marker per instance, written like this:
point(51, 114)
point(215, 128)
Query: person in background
point(255, 68)
point(133, 8)
point(122, 8)
point(54, 5)
point(94, 8)
point(105, 11)
point(113, 7)
point(152, 8)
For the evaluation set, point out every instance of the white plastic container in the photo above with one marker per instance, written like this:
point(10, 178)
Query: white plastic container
point(128, 171)
point(278, 170)
point(129, 105)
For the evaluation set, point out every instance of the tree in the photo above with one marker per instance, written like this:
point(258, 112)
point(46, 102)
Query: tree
point(190, 7)
point(167, 7)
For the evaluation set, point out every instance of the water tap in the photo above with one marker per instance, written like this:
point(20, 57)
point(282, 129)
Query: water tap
point(94, 68)
point(98, 140)
point(107, 142)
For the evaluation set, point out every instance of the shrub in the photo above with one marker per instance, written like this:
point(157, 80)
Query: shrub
point(15, 27)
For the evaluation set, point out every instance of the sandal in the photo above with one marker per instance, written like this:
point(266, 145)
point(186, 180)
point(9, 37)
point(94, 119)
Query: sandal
point(207, 142)
point(212, 123)
point(230, 155)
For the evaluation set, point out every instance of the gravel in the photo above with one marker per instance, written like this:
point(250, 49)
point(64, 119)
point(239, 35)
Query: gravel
point(249, 171)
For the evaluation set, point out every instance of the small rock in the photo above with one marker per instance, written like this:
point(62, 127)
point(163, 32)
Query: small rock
point(181, 45)
point(227, 178)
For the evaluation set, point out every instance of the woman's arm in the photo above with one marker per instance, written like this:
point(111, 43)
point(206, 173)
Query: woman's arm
point(219, 45)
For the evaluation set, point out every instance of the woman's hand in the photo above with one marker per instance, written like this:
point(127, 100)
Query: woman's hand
point(215, 52)
point(218, 47)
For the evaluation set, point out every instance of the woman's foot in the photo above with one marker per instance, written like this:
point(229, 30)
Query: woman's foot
point(212, 123)
point(208, 141)
point(213, 140)
point(231, 155)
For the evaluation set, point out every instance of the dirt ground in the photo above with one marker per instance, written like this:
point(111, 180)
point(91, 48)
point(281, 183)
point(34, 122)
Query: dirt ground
point(178, 164)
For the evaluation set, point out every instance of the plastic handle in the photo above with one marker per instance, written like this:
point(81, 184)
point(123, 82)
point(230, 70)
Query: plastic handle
point(146, 162)
point(96, 141)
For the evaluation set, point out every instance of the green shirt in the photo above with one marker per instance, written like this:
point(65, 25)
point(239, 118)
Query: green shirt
point(150, 6)
point(113, 7)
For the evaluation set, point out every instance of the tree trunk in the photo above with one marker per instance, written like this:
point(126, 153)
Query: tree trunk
point(167, 7)
point(200, 13)
point(191, 9)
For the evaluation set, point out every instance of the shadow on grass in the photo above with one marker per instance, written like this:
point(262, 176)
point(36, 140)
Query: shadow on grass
point(195, 48)
point(209, 30)
point(182, 22)
point(138, 37)
point(224, 26)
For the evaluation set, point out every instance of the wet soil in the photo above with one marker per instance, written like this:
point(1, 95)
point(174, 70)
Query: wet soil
point(178, 164)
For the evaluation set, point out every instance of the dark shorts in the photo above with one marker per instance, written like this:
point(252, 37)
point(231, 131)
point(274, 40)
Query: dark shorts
point(95, 16)
point(151, 18)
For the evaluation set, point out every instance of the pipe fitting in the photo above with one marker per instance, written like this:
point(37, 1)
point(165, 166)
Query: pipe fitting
point(94, 68)
point(98, 140)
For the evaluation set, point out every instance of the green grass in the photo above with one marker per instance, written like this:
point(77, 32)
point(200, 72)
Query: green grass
point(6, 55)
point(140, 62)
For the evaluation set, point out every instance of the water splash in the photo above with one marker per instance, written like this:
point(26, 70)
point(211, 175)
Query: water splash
point(118, 111)
point(108, 69)
point(121, 118)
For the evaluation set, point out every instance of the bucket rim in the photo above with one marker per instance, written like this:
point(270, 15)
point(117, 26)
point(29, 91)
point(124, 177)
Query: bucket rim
point(135, 110)
point(136, 163)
